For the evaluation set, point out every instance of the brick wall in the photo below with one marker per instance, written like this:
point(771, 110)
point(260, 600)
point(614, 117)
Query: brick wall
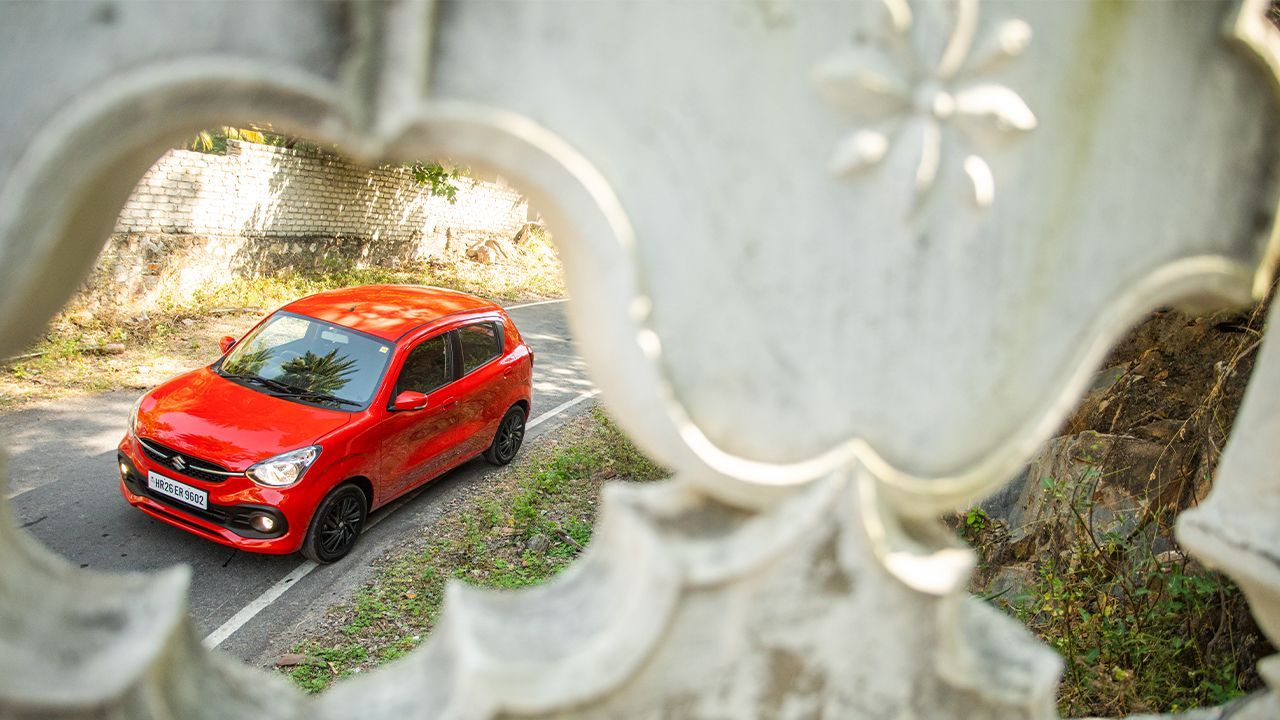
point(197, 218)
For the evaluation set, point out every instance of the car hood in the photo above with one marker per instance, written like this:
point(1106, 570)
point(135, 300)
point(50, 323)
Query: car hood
point(210, 417)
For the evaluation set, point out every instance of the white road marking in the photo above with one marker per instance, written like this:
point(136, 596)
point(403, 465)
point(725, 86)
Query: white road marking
point(532, 304)
point(559, 409)
point(248, 612)
point(273, 593)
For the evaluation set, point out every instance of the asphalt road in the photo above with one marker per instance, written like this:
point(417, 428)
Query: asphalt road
point(63, 486)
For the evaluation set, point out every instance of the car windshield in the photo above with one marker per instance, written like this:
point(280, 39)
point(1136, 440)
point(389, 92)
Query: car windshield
point(305, 359)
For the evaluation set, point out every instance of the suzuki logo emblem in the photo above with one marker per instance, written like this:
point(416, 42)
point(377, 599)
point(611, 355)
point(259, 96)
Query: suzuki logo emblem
point(179, 463)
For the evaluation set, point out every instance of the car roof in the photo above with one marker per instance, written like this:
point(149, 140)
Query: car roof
point(387, 311)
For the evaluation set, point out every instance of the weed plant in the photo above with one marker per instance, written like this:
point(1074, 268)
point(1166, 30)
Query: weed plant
point(528, 525)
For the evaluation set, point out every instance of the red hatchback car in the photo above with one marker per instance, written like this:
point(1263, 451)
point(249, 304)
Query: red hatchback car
point(330, 407)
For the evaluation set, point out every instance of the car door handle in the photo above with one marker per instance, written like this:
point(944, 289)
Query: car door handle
point(508, 372)
point(448, 403)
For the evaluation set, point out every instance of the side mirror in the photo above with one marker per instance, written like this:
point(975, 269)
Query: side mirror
point(226, 343)
point(409, 400)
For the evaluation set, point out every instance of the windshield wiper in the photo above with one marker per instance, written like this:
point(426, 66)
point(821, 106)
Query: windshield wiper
point(289, 391)
point(265, 382)
point(314, 395)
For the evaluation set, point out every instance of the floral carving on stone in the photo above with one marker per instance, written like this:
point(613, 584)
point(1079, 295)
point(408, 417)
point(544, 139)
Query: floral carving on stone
point(904, 96)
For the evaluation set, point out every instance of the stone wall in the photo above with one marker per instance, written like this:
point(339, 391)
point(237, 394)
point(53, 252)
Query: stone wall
point(198, 218)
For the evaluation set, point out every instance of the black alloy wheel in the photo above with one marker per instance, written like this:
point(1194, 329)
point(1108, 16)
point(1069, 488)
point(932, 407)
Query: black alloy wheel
point(336, 525)
point(508, 439)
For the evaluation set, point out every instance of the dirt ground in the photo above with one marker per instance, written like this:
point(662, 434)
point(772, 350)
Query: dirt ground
point(172, 349)
point(1173, 366)
point(1178, 380)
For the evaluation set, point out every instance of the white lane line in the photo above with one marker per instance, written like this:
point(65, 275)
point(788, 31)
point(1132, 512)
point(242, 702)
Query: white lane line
point(273, 593)
point(559, 409)
point(533, 304)
point(248, 612)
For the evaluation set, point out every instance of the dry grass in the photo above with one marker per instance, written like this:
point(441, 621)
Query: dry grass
point(181, 332)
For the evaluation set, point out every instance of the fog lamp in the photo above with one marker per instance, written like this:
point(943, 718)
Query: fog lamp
point(124, 470)
point(263, 523)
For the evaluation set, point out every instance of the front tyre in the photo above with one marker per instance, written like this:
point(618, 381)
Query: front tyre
point(336, 525)
point(507, 441)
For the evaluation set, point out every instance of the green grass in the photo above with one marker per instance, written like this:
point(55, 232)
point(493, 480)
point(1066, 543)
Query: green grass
point(1137, 633)
point(1165, 640)
point(549, 493)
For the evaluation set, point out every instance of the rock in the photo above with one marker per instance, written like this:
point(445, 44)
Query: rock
point(1109, 482)
point(1104, 380)
point(1011, 582)
point(291, 660)
point(539, 544)
point(525, 232)
point(491, 250)
point(1164, 431)
point(111, 349)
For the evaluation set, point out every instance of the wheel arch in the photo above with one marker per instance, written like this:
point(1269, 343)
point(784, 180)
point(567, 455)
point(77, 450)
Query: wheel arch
point(523, 404)
point(363, 483)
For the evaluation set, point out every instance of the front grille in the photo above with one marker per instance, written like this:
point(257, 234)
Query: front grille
point(184, 464)
point(233, 517)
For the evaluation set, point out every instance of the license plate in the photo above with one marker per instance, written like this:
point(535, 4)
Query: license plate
point(177, 490)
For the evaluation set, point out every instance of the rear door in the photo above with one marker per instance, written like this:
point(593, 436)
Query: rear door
point(416, 445)
point(480, 390)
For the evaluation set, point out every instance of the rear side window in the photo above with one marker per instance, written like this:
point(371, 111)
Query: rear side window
point(427, 367)
point(480, 343)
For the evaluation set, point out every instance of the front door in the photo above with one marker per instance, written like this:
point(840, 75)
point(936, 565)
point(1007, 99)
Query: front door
point(418, 444)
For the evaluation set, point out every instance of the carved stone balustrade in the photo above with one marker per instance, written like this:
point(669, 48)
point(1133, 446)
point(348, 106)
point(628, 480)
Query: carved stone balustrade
point(842, 265)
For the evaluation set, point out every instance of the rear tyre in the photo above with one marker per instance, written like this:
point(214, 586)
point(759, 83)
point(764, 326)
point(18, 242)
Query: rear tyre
point(336, 525)
point(508, 438)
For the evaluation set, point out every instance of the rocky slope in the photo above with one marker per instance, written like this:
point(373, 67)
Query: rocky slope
point(1080, 545)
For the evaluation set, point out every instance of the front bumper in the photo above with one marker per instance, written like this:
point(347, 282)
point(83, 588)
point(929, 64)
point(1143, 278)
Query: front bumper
point(232, 503)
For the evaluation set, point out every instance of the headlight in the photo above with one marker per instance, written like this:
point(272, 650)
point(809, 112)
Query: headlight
point(133, 416)
point(285, 469)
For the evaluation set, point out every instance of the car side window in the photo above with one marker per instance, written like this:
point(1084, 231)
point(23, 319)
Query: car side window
point(480, 343)
point(427, 367)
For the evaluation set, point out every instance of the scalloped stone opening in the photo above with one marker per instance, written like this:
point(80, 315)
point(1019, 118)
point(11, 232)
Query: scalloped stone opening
point(215, 214)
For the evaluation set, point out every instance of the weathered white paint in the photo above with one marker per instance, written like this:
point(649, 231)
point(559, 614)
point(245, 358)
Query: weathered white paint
point(873, 84)
point(826, 361)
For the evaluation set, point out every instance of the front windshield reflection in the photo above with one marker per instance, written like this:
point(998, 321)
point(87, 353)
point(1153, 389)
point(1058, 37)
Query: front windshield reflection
point(295, 354)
